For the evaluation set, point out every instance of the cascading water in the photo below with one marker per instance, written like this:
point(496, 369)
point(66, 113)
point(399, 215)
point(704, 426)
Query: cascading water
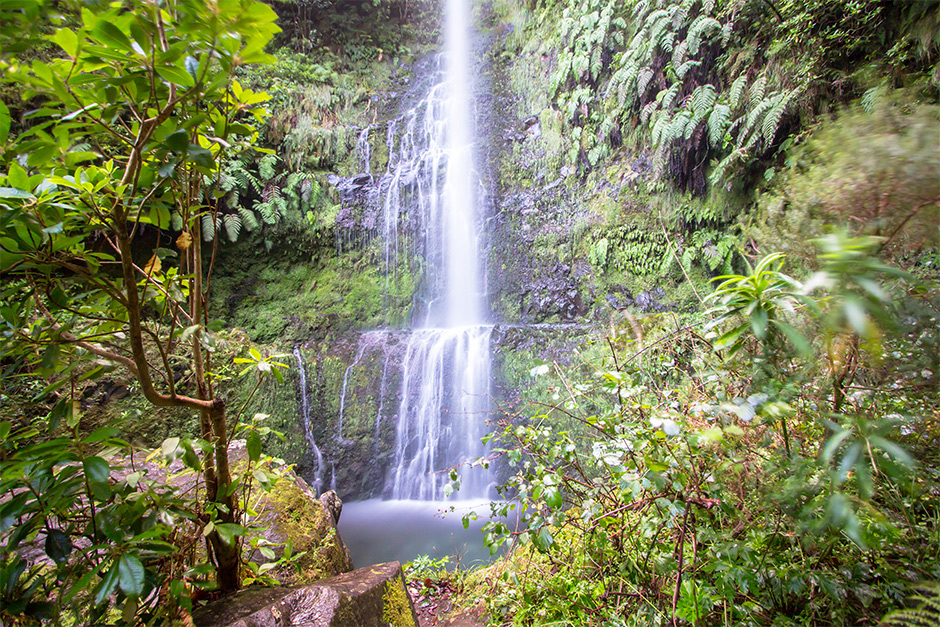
point(428, 213)
point(446, 369)
point(317, 482)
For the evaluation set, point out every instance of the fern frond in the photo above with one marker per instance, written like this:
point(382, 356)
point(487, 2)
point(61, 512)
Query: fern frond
point(772, 119)
point(757, 91)
point(267, 167)
point(871, 97)
point(681, 14)
point(660, 124)
point(726, 31)
point(718, 123)
point(667, 97)
point(737, 91)
point(233, 225)
point(679, 53)
point(703, 98)
point(647, 111)
point(756, 115)
point(643, 81)
point(249, 221)
point(699, 29)
point(683, 69)
point(208, 227)
point(925, 614)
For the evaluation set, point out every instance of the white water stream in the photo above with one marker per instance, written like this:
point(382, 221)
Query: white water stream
point(430, 199)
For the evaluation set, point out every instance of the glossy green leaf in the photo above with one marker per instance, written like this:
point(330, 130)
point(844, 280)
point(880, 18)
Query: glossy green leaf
point(131, 574)
point(253, 444)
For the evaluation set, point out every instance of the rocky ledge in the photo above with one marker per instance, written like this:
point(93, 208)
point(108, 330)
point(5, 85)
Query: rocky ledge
point(374, 596)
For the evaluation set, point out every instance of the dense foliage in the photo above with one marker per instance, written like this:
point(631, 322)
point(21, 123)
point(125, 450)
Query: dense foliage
point(770, 461)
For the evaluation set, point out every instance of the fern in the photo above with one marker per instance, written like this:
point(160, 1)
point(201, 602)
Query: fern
point(668, 96)
point(700, 29)
point(233, 226)
point(679, 54)
point(772, 119)
point(249, 221)
point(644, 80)
point(925, 614)
point(703, 99)
point(683, 69)
point(737, 91)
point(757, 91)
point(267, 167)
point(718, 123)
point(208, 226)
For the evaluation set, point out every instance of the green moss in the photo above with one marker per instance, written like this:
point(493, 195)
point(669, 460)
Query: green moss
point(303, 520)
point(396, 609)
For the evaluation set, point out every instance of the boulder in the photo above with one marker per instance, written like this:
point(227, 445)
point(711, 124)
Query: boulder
point(291, 511)
point(368, 597)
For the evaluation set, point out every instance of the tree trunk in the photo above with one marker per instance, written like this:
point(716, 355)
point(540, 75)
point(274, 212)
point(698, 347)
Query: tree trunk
point(227, 556)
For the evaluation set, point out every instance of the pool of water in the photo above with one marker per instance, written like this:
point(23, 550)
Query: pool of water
point(379, 531)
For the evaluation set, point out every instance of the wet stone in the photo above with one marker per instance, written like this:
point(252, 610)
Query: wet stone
point(374, 596)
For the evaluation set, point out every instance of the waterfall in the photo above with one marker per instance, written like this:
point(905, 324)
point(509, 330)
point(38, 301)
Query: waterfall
point(445, 390)
point(427, 209)
point(305, 420)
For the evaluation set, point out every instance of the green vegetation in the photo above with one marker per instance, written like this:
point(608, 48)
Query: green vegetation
point(780, 469)
point(736, 201)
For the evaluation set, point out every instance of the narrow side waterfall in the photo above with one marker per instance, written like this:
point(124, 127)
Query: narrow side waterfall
point(317, 483)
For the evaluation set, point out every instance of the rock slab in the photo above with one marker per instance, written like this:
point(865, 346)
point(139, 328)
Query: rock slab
point(374, 596)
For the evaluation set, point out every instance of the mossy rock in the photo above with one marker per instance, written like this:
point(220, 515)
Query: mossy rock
point(291, 511)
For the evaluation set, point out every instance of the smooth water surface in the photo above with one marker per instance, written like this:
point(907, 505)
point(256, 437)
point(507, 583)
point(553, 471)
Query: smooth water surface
point(379, 531)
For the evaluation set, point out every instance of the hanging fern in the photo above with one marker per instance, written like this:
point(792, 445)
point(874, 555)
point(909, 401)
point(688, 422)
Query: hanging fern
point(757, 91)
point(208, 226)
point(718, 123)
point(233, 226)
point(737, 91)
point(249, 221)
point(701, 28)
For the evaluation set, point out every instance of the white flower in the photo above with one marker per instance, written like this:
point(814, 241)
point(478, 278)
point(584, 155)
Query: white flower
point(926, 373)
point(668, 425)
point(539, 370)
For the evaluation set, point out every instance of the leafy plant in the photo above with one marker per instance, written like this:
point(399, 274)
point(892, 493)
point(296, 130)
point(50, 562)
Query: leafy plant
point(136, 115)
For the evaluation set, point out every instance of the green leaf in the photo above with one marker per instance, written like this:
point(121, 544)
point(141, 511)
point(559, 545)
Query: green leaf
point(200, 156)
point(170, 446)
point(58, 545)
point(11, 192)
point(96, 469)
point(832, 445)
point(192, 66)
point(177, 141)
point(107, 586)
point(175, 75)
point(111, 35)
point(254, 446)
point(229, 531)
point(131, 575)
point(5, 121)
point(759, 323)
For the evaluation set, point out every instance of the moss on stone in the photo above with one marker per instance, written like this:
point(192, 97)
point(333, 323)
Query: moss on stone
point(396, 608)
point(293, 513)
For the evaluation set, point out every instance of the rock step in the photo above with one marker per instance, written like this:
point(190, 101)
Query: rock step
point(374, 596)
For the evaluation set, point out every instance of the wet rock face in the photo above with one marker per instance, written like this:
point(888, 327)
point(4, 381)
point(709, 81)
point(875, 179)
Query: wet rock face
point(368, 597)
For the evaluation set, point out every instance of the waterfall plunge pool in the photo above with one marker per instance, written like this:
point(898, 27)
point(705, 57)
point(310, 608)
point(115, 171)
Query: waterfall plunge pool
point(379, 531)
